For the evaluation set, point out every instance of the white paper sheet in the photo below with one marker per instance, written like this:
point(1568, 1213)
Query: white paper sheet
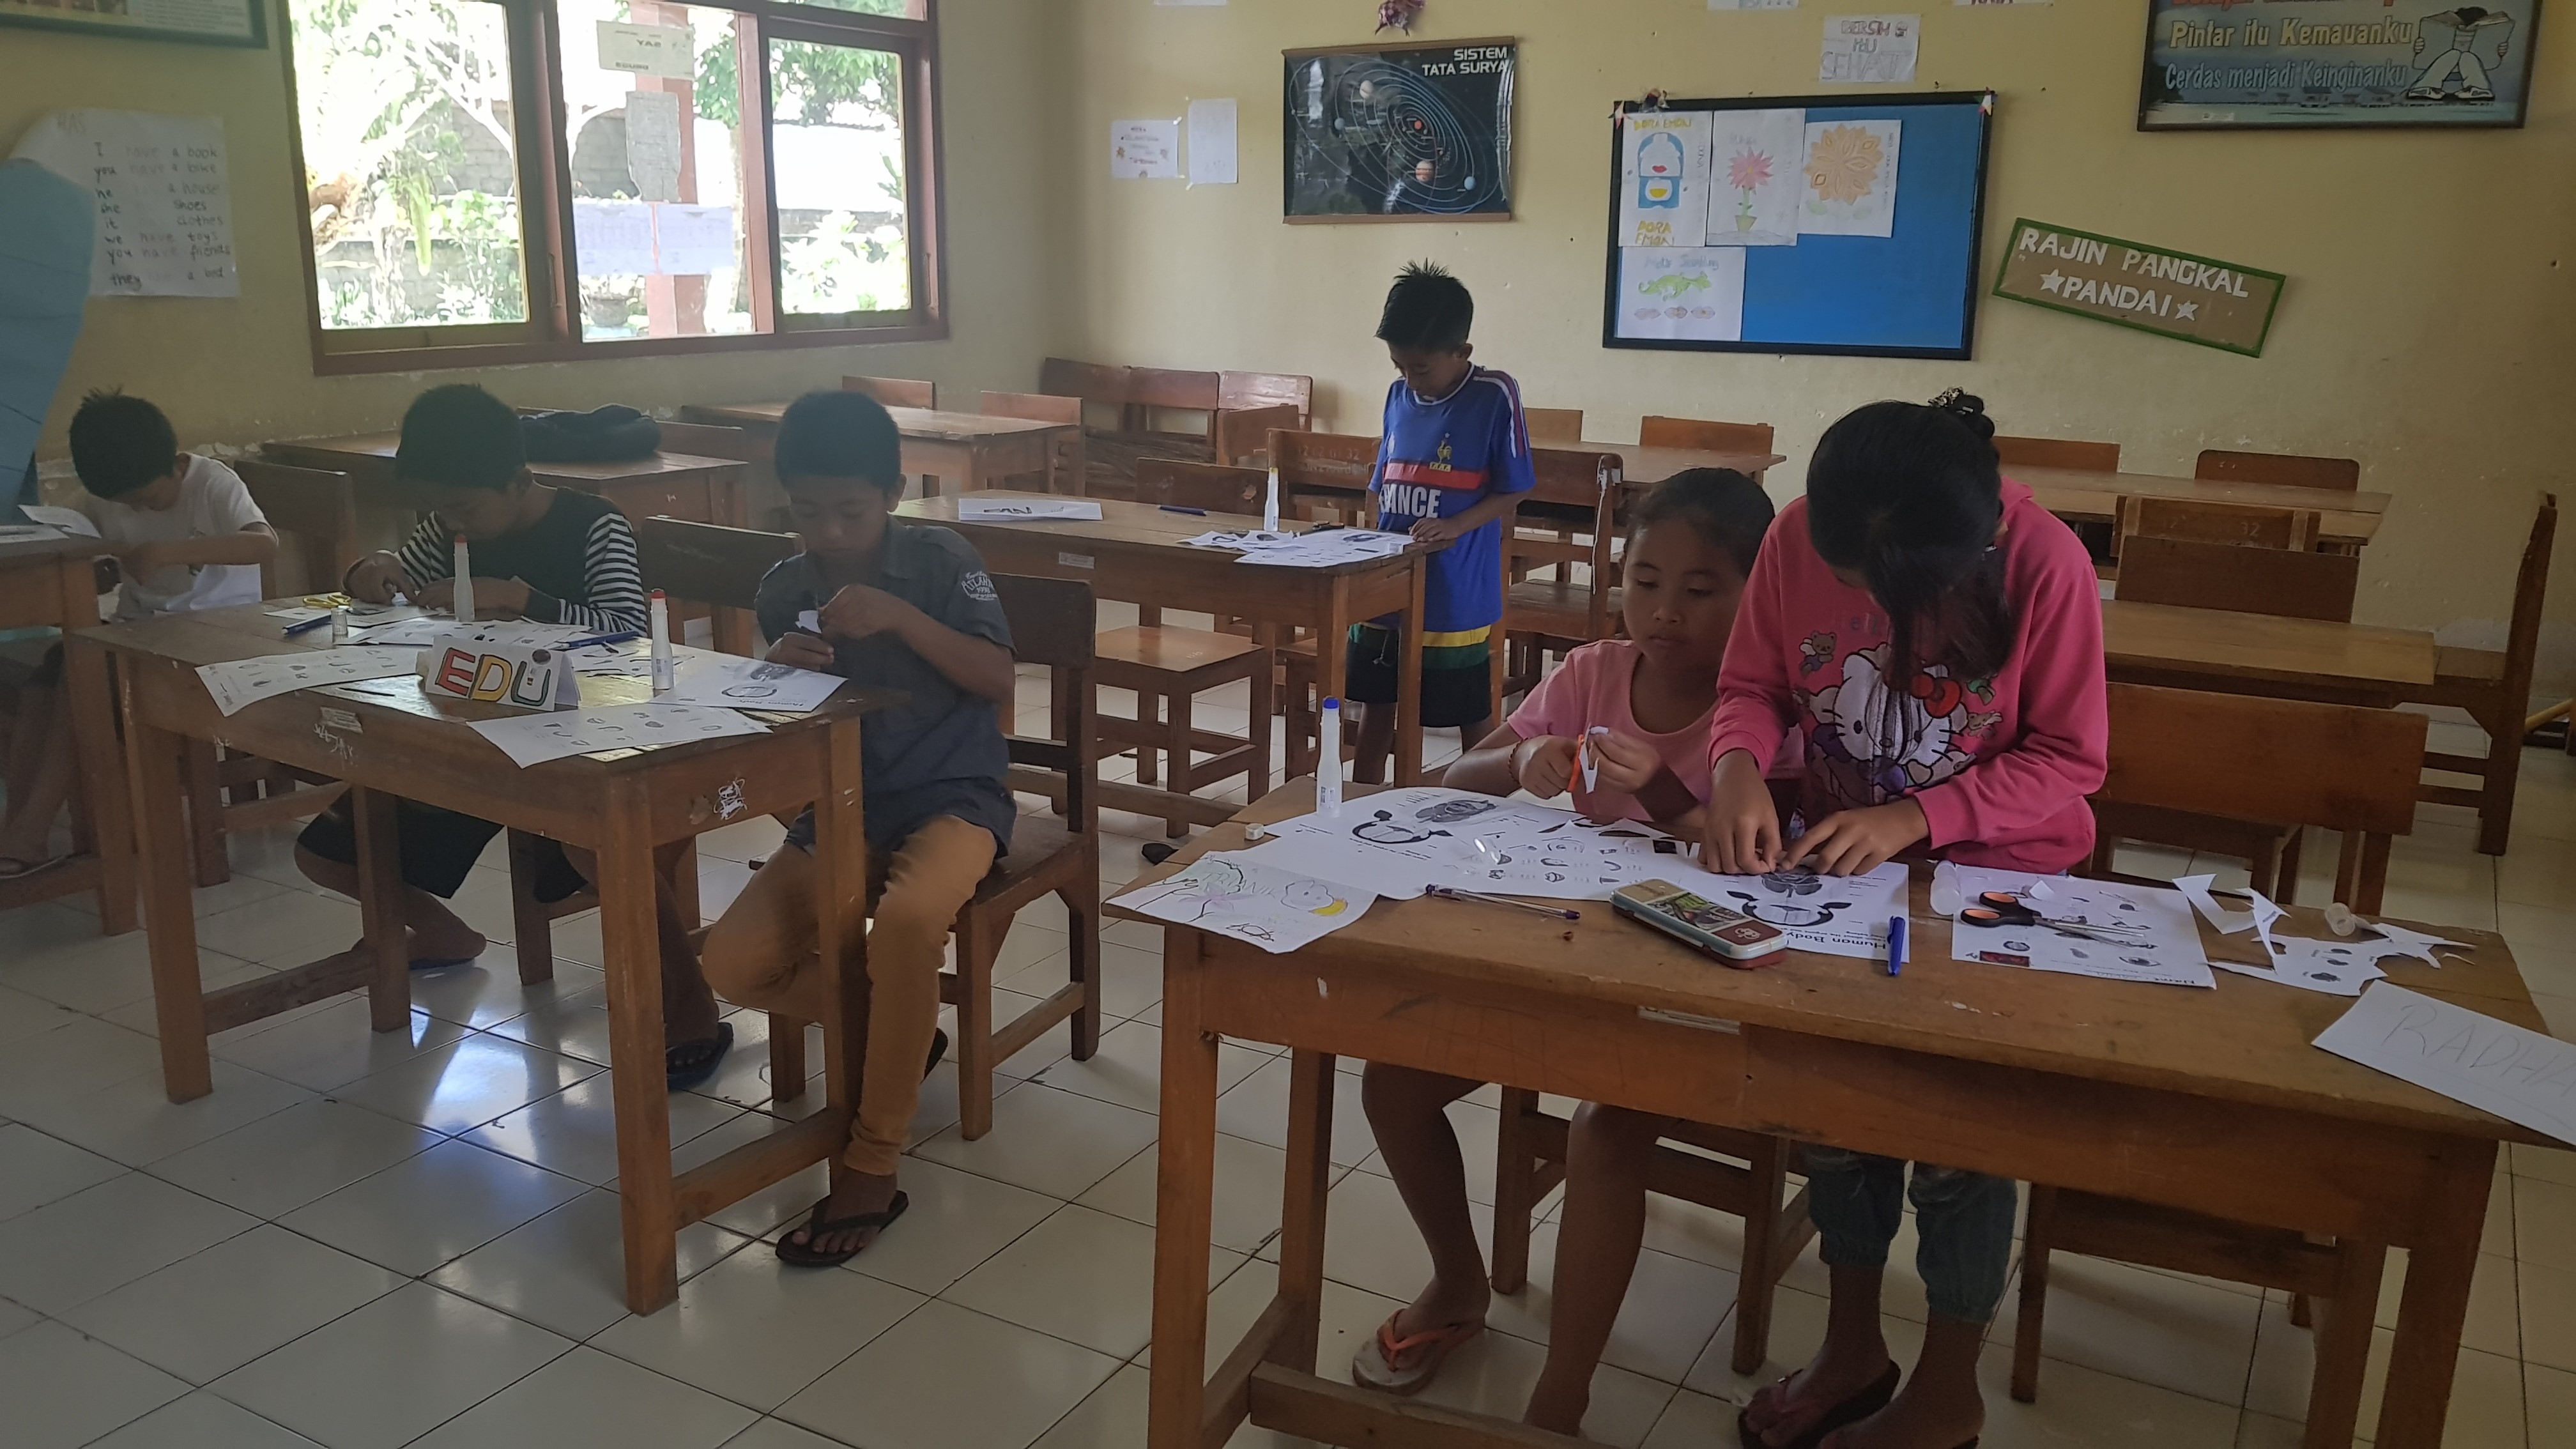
point(1212, 142)
point(1327, 549)
point(1693, 294)
point(2258, 919)
point(2399, 941)
point(737, 683)
point(1145, 150)
point(1755, 177)
point(1870, 49)
point(238, 683)
point(1235, 893)
point(653, 143)
point(69, 520)
point(1849, 178)
point(1837, 915)
point(612, 238)
point(533, 739)
point(693, 241)
point(665, 51)
point(975, 508)
point(29, 533)
point(2495, 1066)
point(1396, 842)
point(165, 212)
point(1239, 539)
point(1663, 178)
point(2133, 933)
point(2336, 968)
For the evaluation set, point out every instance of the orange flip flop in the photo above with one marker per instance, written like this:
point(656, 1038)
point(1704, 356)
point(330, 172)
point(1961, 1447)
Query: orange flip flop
point(1406, 1366)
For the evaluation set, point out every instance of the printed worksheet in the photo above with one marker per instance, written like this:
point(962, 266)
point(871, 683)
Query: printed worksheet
point(979, 508)
point(736, 683)
point(238, 683)
point(1837, 915)
point(1235, 893)
point(2078, 927)
point(1397, 842)
point(533, 739)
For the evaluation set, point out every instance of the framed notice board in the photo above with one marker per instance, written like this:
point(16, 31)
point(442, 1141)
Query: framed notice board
point(1844, 225)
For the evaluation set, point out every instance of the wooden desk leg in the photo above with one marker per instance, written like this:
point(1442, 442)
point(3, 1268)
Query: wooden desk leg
point(840, 924)
point(1301, 1210)
point(104, 789)
point(630, 949)
point(1408, 684)
point(1184, 1203)
point(2343, 1347)
point(380, 906)
point(169, 909)
point(2439, 1263)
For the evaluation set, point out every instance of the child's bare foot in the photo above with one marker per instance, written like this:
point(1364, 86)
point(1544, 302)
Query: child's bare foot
point(449, 940)
point(1789, 1410)
point(1927, 1415)
point(862, 1205)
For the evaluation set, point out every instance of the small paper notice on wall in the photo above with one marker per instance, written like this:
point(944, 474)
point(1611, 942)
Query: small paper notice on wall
point(1849, 178)
point(612, 238)
point(653, 144)
point(1752, 4)
point(655, 50)
point(2492, 1065)
point(1145, 150)
point(1871, 49)
point(691, 241)
point(2002, 2)
point(1212, 127)
point(165, 212)
point(1663, 178)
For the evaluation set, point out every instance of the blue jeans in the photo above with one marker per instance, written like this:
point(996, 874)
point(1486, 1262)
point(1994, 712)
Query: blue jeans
point(1963, 1224)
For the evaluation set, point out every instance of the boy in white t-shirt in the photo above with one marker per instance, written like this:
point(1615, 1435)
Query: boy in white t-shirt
point(177, 532)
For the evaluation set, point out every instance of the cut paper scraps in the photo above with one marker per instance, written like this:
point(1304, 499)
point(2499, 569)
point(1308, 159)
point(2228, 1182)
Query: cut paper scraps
point(1691, 294)
point(1234, 894)
point(2492, 1065)
point(2083, 928)
point(1755, 164)
point(1848, 181)
point(1664, 178)
point(236, 684)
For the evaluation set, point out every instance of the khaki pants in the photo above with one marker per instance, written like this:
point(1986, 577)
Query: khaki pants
point(761, 954)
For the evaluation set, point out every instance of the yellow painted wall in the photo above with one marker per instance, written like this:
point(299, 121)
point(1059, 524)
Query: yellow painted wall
point(2428, 327)
point(237, 371)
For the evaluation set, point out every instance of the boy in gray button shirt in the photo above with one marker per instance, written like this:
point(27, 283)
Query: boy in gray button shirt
point(899, 606)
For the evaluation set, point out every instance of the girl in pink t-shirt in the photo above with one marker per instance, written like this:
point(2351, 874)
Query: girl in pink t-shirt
point(1690, 546)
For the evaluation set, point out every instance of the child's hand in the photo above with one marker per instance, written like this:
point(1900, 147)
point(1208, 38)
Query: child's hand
point(1544, 765)
point(1740, 834)
point(374, 579)
point(800, 650)
point(1856, 842)
point(857, 612)
point(1438, 530)
point(1626, 764)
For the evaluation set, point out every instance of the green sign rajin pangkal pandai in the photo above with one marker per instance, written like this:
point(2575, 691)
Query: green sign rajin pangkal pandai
point(2153, 289)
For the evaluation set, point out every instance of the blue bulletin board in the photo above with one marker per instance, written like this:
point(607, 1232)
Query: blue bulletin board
point(1840, 262)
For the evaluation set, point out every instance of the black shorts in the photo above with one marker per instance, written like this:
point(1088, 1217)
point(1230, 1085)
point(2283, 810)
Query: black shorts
point(1457, 679)
point(438, 848)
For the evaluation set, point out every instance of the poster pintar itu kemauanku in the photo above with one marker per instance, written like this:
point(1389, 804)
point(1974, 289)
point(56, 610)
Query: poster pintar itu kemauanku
point(2275, 63)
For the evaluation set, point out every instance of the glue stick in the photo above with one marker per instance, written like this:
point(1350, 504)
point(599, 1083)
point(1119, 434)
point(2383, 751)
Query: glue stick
point(1328, 766)
point(464, 584)
point(1270, 504)
point(340, 624)
point(662, 675)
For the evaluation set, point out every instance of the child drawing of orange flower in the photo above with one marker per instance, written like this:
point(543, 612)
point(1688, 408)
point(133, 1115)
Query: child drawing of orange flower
point(1843, 163)
point(1749, 170)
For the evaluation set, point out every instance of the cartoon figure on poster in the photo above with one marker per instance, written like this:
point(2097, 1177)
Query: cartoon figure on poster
point(1663, 198)
point(1659, 173)
point(1682, 292)
point(2469, 35)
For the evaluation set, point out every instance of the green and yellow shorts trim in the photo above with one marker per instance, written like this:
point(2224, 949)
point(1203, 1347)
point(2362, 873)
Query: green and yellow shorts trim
point(1456, 672)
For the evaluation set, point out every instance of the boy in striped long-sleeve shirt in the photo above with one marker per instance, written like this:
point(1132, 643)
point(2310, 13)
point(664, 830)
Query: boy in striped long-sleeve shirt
point(540, 553)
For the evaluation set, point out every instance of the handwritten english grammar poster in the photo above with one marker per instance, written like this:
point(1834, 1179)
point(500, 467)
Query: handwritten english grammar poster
point(2305, 63)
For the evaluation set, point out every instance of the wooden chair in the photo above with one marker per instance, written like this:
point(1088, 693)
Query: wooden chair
point(1242, 435)
point(1171, 413)
point(895, 392)
point(711, 566)
point(2248, 581)
point(1324, 476)
point(1247, 391)
point(2293, 470)
point(1707, 437)
point(2058, 453)
point(1169, 667)
point(1529, 1158)
point(1065, 465)
point(315, 514)
point(2274, 762)
point(1583, 498)
point(2243, 525)
point(2494, 686)
point(1554, 427)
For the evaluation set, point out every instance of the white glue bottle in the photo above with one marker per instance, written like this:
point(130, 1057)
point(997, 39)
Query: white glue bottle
point(464, 584)
point(1328, 766)
point(663, 677)
point(1270, 504)
point(340, 625)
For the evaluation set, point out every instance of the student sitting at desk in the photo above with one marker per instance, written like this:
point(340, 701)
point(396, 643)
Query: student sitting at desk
point(905, 607)
point(177, 532)
point(538, 552)
point(1651, 696)
point(1935, 638)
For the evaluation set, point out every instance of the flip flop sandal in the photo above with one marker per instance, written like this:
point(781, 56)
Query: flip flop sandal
point(802, 1255)
point(692, 1062)
point(1850, 1411)
point(441, 963)
point(938, 1050)
point(1378, 1365)
point(19, 867)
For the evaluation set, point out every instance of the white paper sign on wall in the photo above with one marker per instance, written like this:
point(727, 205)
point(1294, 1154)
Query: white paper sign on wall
point(165, 212)
point(663, 51)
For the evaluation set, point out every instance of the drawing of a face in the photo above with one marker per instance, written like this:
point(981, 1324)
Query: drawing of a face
point(1382, 829)
point(1450, 812)
point(1780, 911)
point(1314, 897)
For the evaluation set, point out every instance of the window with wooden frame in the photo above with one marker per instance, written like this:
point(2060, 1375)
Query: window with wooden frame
point(502, 181)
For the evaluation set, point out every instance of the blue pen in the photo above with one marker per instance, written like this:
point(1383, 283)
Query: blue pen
point(1192, 512)
point(1896, 945)
point(298, 631)
point(620, 637)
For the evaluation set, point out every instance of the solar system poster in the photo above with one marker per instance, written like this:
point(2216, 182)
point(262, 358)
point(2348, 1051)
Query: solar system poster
point(1400, 133)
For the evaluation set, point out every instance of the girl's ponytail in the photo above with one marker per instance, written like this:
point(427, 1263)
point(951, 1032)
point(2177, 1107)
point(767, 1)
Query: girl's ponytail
point(1909, 496)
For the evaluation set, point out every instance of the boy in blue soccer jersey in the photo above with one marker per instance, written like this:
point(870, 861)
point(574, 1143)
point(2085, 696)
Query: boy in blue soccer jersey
point(1451, 468)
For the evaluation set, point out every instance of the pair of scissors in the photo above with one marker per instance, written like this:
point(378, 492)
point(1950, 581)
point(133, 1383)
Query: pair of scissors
point(2003, 909)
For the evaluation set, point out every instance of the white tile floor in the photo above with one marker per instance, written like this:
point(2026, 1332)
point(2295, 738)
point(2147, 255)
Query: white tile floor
point(369, 1241)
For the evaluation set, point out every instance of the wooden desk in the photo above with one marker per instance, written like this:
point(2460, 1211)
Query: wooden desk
point(2265, 654)
point(1136, 553)
point(2345, 520)
point(674, 485)
point(2206, 1100)
point(390, 738)
point(1639, 464)
point(51, 583)
point(970, 450)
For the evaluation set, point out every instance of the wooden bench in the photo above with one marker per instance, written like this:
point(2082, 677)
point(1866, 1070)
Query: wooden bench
point(1222, 417)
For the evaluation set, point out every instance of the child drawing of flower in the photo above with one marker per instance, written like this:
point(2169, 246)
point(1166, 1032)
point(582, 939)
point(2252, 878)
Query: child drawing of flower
point(1747, 173)
point(1843, 163)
